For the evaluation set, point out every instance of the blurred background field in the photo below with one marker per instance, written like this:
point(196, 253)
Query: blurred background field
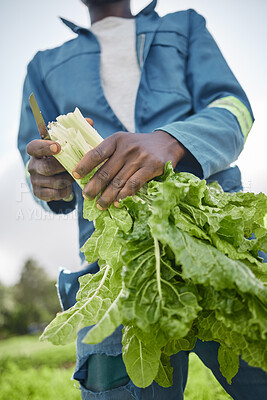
point(33, 370)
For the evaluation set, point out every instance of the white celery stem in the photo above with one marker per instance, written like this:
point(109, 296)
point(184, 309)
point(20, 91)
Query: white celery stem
point(77, 121)
point(75, 136)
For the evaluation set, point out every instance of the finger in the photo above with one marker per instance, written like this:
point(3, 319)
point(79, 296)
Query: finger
point(102, 177)
point(95, 157)
point(115, 186)
point(60, 181)
point(49, 194)
point(39, 148)
point(90, 121)
point(133, 184)
point(45, 166)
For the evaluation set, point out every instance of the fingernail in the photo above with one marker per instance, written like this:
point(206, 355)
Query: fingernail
point(116, 204)
point(99, 207)
point(76, 175)
point(53, 148)
point(87, 197)
point(90, 121)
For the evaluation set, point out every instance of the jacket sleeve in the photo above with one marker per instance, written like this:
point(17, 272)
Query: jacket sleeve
point(28, 130)
point(221, 114)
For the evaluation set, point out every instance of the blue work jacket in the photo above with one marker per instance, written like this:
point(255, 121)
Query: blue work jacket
point(186, 89)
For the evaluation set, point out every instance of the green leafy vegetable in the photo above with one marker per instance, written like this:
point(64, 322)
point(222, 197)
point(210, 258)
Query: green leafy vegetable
point(177, 263)
point(229, 363)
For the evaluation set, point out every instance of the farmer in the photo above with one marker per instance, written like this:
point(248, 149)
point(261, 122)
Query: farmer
point(165, 83)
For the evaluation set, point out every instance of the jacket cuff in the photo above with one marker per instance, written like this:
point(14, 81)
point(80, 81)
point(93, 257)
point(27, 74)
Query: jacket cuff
point(62, 206)
point(212, 136)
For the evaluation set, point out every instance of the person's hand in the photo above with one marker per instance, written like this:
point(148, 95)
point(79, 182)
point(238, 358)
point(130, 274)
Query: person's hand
point(50, 181)
point(132, 159)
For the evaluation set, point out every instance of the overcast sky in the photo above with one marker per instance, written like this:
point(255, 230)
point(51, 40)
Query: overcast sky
point(239, 28)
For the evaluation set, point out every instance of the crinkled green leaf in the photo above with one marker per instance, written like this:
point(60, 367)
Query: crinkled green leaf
point(93, 299)
point(168, 172)
point(83, 181)
point(256, 203)
point(104, 242)
point(184, 222)
point(139, 211)
point(121, 217)
point(164, 376)
point(90, 211)
point(151, 299)
point(93, 245)
point(214, 196)
point(107, 324)
point(110, 248)
point(185, 343)
point(229, 363)
point(204, 264)
point(154, 335)
point(254, 352)
point(229, 250)
point(242, 313)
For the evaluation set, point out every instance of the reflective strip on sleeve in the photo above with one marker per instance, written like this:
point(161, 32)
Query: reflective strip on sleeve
point(239, 110)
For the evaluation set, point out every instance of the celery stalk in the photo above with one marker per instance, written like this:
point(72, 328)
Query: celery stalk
point(76, 137)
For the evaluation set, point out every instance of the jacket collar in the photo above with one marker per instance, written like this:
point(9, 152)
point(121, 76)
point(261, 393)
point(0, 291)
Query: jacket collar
point(78, 29)
point(75, 28)
point(149, 8)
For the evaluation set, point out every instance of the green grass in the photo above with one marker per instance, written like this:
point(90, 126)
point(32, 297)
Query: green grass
point(44, 383)
point(33, 370)
point(28, 351)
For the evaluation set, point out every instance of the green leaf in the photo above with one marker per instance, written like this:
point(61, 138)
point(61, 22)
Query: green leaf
point(184, 222)
point(107, 324)
point(83, 181)
point(164, 376)
point(104, 242)
point(90, 211)
point(110, 247)
point(168, 172)
point(94, 243)
point(141, 360)
point(204, 264)
point(256, 203)
point(185, 343)
point(150, 298)
point(93, 300)
point(155, 335)
point(121, 217)
point(139, 211)
point(252, 351)
point(229, 363)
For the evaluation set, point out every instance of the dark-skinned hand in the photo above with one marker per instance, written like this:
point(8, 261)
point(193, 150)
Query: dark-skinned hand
point(50, 181)
point(131, 159)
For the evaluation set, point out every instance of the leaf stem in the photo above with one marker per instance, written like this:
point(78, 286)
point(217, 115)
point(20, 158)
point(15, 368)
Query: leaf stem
point(157, 256)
